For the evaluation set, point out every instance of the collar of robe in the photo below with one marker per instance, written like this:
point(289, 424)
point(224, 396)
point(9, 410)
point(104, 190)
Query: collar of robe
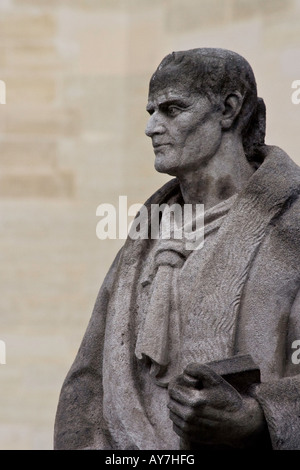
point(159, 334)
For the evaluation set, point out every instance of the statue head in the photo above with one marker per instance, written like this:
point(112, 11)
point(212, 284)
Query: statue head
point(217, 73)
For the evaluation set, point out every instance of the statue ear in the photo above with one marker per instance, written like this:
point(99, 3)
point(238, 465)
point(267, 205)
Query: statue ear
point(232, 106)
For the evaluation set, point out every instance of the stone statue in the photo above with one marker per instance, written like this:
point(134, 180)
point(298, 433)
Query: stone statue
point(193, 349)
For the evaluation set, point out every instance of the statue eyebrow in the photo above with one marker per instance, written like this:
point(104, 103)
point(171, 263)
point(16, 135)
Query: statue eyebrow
point(174, 101)
point(165, 104)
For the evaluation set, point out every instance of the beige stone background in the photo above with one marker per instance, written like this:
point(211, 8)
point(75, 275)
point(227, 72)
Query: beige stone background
point(72, 137)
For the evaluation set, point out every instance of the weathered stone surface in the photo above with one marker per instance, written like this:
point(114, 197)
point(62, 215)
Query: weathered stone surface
point(49, 247)
point(33, 25)
point(45, 121)
point(28, 155)
point(181, 336)
point(31, 90)
point(42, 184)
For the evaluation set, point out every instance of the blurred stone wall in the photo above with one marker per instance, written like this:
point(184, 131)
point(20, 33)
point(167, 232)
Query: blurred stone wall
point(72, 137)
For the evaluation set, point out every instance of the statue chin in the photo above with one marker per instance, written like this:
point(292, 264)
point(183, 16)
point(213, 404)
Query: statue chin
point(162, 165)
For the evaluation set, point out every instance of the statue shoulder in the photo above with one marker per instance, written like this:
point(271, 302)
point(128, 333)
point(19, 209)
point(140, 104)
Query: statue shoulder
point(164, 193)
point(288, 224)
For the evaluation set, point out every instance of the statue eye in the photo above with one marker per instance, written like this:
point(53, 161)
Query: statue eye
point(173, 110)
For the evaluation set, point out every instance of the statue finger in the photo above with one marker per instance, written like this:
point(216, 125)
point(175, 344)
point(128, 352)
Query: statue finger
point(187, 396)
point(202, 373)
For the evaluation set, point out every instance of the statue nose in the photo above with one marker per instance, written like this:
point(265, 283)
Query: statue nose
point(154, 126)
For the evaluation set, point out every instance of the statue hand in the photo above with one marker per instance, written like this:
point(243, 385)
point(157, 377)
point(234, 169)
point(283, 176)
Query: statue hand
point(206, 409)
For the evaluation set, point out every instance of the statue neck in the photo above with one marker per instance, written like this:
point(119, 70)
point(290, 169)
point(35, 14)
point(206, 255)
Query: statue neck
point(226, 173)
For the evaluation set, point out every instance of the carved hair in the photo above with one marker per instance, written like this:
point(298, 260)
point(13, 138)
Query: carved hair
point(214, 73)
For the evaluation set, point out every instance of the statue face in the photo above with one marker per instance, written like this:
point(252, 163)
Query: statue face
point(185, 129)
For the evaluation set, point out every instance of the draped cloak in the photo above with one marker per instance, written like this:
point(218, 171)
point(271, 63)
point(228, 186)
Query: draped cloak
point(240, 295)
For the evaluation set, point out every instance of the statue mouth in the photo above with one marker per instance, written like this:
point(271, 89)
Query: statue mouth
point(157, 146)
